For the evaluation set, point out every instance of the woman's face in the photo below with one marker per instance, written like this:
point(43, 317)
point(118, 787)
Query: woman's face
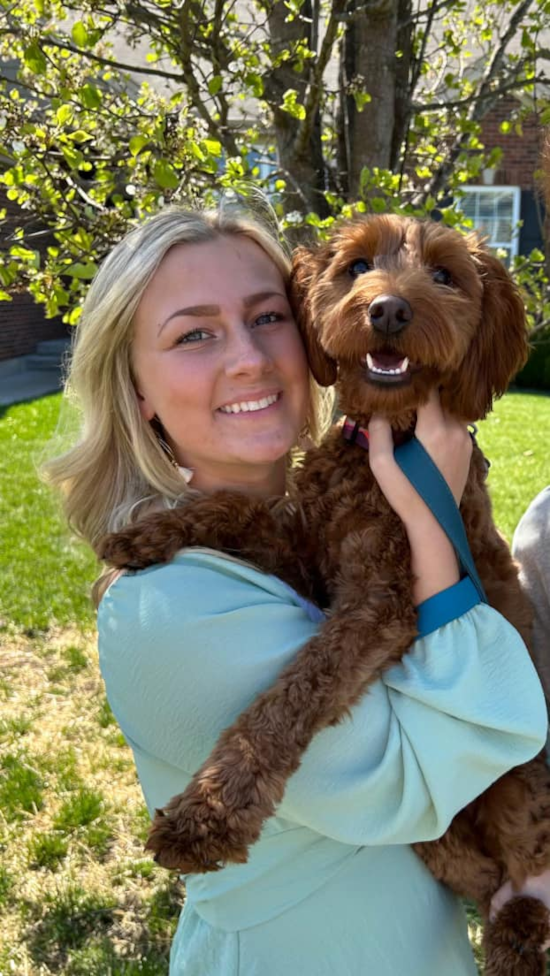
point(219, 360)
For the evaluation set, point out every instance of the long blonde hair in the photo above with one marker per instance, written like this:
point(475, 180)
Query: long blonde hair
point(117, 464)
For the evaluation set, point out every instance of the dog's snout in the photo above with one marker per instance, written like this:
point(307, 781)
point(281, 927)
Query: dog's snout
point(390, 314)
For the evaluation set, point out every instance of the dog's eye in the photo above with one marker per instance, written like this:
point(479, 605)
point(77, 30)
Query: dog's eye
point(442, 277)
point(359, 267)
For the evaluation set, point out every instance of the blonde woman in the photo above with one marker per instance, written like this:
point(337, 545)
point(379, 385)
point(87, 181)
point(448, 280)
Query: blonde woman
point(192, 377)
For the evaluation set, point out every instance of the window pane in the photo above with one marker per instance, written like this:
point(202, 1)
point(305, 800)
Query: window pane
point(494, 212)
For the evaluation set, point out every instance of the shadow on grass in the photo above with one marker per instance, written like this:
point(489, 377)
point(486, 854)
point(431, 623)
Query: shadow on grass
point(68, 920)
point(78, 933)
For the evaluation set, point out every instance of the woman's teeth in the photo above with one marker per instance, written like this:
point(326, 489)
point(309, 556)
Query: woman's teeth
point(386, 370)
point(250, 405)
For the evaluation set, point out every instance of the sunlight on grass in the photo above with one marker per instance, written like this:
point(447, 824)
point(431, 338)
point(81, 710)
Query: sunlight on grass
point(516, 440)
point(45, 574)
point(77, 894)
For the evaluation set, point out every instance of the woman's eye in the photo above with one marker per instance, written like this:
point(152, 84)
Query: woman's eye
point(359, 267)
point(196, 335)
point(267, 317)
point(442, 277)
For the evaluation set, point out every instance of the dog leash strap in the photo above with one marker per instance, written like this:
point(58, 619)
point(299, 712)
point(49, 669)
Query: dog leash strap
point(417, 465)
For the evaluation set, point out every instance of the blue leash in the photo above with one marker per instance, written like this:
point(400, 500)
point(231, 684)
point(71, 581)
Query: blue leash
point(417, 465)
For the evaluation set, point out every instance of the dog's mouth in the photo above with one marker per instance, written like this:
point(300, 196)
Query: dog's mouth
point(388, 368)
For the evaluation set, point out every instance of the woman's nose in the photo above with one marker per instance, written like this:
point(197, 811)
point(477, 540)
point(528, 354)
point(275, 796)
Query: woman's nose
point(247, 354)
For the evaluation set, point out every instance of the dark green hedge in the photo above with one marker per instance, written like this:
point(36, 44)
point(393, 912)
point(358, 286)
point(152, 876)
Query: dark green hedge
point(536, 372)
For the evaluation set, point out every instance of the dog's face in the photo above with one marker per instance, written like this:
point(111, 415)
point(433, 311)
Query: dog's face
point(391, 307)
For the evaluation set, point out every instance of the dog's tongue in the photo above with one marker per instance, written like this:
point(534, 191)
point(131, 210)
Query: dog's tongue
point(386, 360)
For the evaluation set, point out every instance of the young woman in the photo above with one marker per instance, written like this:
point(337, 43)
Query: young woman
point(192, 377)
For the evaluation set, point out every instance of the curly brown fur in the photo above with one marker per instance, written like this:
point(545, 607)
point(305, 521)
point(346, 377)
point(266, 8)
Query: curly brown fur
point(513, 941)
point(456, 316)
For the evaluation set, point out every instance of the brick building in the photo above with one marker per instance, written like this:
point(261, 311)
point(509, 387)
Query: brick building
point(506, 203)
point(22, 322)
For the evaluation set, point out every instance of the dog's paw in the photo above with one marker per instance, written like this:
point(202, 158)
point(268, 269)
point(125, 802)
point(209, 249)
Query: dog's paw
point(154, 540)
point(514, 941)
point(130, 549)
point(189, 838)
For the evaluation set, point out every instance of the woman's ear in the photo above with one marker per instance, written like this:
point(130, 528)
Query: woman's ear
point(307, 264)
point(145, 408)
point(499, 348)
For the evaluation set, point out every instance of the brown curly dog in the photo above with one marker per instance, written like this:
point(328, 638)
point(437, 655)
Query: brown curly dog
point(389, 308)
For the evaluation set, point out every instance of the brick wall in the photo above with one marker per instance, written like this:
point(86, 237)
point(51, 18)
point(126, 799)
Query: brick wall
point(22, 322)
point(521, 154)
point(22, 325)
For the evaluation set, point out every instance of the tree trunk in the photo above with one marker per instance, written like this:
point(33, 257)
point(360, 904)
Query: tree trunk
point(304, 170)
point(369, 64)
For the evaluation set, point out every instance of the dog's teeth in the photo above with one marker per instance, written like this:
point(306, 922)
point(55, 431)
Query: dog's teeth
point(387, 371)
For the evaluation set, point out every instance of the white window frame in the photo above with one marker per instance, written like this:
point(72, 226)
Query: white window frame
point(512, 246)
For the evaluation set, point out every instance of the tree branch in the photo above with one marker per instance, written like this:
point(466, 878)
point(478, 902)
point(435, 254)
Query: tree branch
point(480, 104)
point(216, 131)
point(314, 93)
point(110, 62)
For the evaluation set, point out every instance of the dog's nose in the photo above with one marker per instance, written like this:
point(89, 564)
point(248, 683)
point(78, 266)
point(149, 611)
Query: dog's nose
point(390, 314)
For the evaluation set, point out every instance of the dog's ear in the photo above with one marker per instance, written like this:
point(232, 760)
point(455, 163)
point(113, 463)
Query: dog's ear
point(306, 266)
point(499, 348)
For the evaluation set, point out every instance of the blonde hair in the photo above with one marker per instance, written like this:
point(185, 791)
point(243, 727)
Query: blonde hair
point(117, 465)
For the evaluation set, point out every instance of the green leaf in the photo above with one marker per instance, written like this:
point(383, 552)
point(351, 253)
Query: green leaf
point(84, 271)
point(292, 105)
point(212, 146)
point(18, 251)
point(72, 157)
point(79, 34)
point(4, 297)
point(361, 99)
point(165, 175)
point(35, 59)
point(90, 96)
point(80, 136)
point(378, 204)
point(137, 143)
point(215, 84)
point(64, 114)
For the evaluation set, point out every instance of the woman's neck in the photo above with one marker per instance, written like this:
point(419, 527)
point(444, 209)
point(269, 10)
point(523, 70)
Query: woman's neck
point(257, 480)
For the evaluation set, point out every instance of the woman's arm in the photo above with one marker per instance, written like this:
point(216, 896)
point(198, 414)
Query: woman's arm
point(433, 560)
point(186, 647)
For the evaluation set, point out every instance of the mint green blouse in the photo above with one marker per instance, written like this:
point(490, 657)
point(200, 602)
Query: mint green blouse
point(332, 887)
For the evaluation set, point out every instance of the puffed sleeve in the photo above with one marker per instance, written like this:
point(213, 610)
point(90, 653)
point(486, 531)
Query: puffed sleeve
point(185, 647)
point(531, 547)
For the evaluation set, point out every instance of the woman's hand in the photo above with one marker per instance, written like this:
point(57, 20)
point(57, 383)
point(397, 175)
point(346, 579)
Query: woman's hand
point(449, 445)
point(538, 887)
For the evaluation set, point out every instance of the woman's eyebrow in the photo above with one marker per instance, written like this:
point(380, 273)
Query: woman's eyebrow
point(212, 310)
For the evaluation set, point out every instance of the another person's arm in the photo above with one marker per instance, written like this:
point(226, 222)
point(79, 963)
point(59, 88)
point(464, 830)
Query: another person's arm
point(531, 547)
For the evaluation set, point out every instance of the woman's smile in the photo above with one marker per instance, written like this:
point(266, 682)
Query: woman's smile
point(257, 404)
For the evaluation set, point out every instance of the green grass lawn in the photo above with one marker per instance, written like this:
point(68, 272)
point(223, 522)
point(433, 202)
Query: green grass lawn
point(516, 439)
point(45, 574)
point(77, 896)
